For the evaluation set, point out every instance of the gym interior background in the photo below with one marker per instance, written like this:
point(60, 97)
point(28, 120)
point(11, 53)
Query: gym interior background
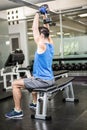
point(69, 33)
point(68, 29)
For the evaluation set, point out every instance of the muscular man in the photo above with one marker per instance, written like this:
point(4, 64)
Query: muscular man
point(49, 40)
point(42, 69)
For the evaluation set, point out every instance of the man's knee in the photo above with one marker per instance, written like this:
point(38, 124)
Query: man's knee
point(14, 83)
point(19, 83)
point(33, 93)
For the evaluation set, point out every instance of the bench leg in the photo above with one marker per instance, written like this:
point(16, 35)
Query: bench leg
point(41, 109)
point(70, 94)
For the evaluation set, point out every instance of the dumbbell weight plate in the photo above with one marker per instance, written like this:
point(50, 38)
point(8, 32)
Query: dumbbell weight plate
point(45, 5)
point(47, 20)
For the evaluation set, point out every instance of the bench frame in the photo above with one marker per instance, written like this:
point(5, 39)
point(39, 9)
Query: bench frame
point(43, 97)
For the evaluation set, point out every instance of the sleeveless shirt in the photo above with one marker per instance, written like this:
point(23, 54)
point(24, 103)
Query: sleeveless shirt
point(42, 67)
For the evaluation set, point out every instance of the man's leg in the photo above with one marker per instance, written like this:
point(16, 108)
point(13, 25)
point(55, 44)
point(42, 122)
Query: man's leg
point(17, 111)
point(34, 95)
point(17, 86)
point(34, 101)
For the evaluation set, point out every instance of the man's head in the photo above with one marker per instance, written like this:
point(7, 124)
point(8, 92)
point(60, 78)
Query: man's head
point(44, 31)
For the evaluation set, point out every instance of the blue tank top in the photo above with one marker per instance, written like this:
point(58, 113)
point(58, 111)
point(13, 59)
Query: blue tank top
point(42, 67)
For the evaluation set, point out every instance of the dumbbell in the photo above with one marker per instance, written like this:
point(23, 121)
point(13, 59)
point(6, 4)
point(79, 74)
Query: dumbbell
point(55, 67)
point(73, 66)
point(44, 10)
point(62, 66)
point(84, 66)
point(68, 66)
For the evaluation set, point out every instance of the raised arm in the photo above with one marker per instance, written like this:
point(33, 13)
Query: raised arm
point(47, 26)
point(35, 27)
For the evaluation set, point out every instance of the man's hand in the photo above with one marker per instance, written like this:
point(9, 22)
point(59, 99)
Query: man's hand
point(43, 10)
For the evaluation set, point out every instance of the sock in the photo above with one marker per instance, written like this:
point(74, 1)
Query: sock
point(17, 110)
point(34, 102)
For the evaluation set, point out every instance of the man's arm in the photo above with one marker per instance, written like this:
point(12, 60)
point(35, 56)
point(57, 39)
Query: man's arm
point(35, 27)
point(47, 26)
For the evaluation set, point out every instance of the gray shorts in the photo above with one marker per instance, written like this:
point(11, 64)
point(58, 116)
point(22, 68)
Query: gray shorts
point(32, 83)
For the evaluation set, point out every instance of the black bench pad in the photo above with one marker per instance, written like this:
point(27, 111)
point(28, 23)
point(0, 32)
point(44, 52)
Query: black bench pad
point(60, 72)
point(59, 83)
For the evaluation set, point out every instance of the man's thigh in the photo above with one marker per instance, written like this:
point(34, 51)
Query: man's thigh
point(19, 83)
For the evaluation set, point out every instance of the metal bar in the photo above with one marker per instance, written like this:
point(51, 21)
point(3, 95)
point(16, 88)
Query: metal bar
point(44, 104)
point(31, 5)
point(61, 31)
point(38, 104)
point(71, 91)
point(25, 2)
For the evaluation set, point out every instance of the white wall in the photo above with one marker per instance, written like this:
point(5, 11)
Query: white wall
point(22, 31)
point(3, 15)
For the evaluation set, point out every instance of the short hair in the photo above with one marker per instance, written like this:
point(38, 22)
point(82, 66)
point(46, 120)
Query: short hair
point(45, 31)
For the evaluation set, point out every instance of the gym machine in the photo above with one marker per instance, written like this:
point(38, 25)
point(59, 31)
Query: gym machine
point(13, 68)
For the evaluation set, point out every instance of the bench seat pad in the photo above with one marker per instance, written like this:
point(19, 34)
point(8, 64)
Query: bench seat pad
point(59, 83)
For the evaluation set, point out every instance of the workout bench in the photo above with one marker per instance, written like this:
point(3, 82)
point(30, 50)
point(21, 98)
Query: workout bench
point(60, 73)
point(43, 95)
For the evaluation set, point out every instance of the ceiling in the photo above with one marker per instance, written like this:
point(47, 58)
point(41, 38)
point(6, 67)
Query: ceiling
point(58, 4)
point(70, 13)
point(72, 24)
point(7, 4)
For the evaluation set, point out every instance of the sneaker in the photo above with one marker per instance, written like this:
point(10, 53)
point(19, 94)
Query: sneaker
point(32, 106)
point(14, 114)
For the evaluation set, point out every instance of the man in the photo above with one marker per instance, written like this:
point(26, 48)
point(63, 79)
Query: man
point(42, 69)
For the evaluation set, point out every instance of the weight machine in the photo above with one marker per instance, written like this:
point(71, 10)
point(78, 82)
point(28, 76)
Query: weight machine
point(13, 68)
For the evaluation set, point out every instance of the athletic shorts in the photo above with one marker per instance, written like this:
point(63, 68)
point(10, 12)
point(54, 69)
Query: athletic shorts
point(32, 83)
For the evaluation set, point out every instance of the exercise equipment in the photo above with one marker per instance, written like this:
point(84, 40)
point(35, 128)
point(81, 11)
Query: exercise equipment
point(44, 9)
point(14, 63)
point(60, 73)
point(43, 94)
point(63, 67)
point(68, 66)
point(55, 67)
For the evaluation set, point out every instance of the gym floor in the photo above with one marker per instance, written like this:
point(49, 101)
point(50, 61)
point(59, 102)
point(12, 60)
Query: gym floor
point(65, 116)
